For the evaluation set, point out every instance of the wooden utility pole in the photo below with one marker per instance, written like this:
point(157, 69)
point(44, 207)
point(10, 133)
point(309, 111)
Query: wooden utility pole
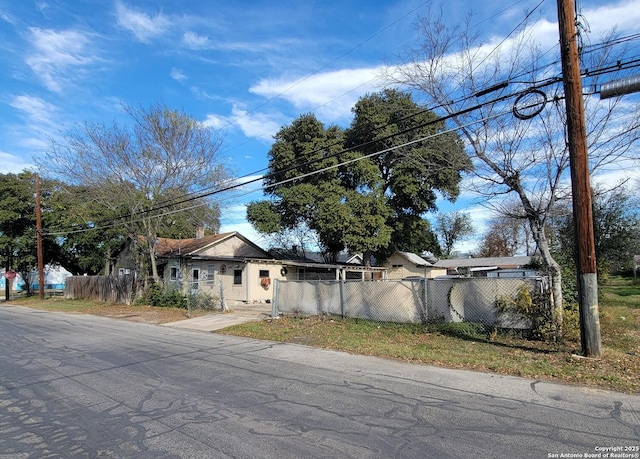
point(39, 241)
point(580, 182)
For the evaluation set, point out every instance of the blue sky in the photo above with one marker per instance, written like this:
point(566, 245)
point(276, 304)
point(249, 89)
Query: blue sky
point(244, 67)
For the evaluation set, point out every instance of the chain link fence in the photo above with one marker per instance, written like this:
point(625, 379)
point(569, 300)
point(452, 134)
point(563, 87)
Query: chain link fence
point(478, 300)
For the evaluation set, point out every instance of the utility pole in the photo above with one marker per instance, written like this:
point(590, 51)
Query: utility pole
point(39, 241)
point(580, 182)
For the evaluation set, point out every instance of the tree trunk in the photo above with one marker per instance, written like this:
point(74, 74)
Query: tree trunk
point(154, 265)
point(555, 276)
point(107, 264)
point(366, 258)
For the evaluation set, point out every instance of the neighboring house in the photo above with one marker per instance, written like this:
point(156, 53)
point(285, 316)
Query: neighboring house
point(54, 279)
point(488, 267)
point(406, 264)
point(232, 263)
point(636, 264)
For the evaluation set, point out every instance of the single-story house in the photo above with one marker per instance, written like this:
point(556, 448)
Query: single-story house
point(401, 265)
point(54, 279)
point(232, 263)
point(488, 267)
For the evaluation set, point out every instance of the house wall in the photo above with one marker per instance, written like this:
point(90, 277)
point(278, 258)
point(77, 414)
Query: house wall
point(213, 272)
point(232, 248)
point(398, 267)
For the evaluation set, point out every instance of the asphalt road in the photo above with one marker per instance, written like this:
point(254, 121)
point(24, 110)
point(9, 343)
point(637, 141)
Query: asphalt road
point(90, 387)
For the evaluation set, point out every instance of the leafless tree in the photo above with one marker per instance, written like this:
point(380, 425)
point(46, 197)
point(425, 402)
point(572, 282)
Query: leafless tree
point(508, 234)
point(516, 133)
point(154, 166)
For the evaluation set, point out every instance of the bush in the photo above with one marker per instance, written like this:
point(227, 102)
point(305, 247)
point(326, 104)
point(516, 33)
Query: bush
point(203, 301)
point(533, 308)
point(156, 295)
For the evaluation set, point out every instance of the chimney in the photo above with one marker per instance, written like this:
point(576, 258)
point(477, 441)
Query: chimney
point(200, 232)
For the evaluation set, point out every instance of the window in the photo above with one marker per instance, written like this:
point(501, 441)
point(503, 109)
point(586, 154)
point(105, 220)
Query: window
point(265, 280)
point(195, 278)
point(210, 273)
point(237, 277)
point(396, 266)
point(173, 275)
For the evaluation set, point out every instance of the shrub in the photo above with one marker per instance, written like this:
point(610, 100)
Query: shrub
point(157, 295)
point(529, 307)
point(203, 301)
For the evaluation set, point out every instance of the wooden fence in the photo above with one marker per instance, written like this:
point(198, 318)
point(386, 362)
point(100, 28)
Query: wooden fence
point(116, 289)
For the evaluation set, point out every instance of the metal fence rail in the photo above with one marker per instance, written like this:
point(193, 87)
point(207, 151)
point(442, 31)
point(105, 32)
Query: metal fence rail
point(410, 301)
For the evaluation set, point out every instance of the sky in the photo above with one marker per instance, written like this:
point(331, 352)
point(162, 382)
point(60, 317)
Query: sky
point(246, 68)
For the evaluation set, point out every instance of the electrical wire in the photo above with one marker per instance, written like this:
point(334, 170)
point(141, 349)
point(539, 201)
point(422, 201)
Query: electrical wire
point(233, 184)
point(308, 174)
point(106, 225)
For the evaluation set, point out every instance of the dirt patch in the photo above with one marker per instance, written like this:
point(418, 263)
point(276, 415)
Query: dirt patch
point(142, 314)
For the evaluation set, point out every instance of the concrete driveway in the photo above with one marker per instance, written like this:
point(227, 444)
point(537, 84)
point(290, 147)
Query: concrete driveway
point(237, 314)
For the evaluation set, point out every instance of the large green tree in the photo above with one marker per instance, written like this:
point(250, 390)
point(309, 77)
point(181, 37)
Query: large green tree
point(299, 195)
point(18, 247)
point(408, 157)
point(70, 219)
point(17, 223)
point(364, 188)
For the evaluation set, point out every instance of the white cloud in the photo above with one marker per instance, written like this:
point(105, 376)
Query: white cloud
point(256, 125)
point(35, 109)
point(58, 56)
point(331, 94)
point(248, 231)
point(215, 121)
point(41, 6)
point(28, 139)
point(252, 124)
point(143, 26)
point(177, 74)
point(12, 164)
point(624, 16)
point(194, 41)
point(622, 172)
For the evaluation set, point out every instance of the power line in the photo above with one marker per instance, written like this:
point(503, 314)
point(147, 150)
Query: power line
point(234, 184)
point(340, 164)
point(308, 174)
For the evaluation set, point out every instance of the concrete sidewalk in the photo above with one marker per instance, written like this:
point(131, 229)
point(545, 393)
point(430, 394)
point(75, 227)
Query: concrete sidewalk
point(237, 315)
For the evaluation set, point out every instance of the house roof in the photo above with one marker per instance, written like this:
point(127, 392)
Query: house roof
point(193, 246)
point(314, 257)
point(415, 259)
point(498, 262)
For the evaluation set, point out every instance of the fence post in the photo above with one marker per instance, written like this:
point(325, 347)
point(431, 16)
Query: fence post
point(223, 303)
point(425, 299)
point(342, 298)
point(274, 302)
point(189, 305)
